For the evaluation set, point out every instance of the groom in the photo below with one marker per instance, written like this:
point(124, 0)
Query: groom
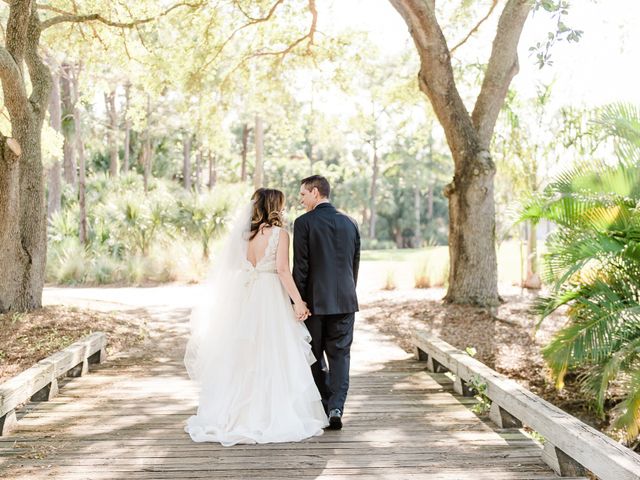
point(326, 256)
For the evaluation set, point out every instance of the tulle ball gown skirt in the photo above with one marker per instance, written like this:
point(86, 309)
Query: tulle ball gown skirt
point(256, 384)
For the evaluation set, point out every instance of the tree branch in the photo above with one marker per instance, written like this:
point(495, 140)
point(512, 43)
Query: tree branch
point(477, 26)
point(140, 37)
point(39, 73)
point(257, 19)
point(284, 52)
point(252, 21)
point(436, 77)
point(502, 67)
point(49, 8)
point(96, 17)
point(309, 35)
point(11, 58)
point(15, 94)
point(17, 25)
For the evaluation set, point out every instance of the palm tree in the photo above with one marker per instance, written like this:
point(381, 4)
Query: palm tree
point(593, 267)
point(204, 216)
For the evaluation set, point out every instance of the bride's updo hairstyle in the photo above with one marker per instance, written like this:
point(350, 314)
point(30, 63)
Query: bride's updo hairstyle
point(267, 210)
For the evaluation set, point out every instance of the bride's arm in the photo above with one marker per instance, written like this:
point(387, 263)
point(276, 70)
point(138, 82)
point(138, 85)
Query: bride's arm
point(282, 266)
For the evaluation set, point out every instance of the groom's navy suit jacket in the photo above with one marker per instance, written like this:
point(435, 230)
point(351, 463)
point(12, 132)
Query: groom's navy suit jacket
point(326, 257)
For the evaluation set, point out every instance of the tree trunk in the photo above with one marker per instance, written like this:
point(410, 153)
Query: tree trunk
point(198, 169)
point(186, 161)
point(258, 174)
point(431, 185)
point(533, 278)
point(397, 236)
point(68, 98)
point(12, 256)
point(430, 203)
point(146, 153)
point(417, 206)
point(244, 153)
point(23, 245)
point(473, 274)
point(213, 171)
point(127, 130)
point(373, 193)
point(81, 178)
point(55, 171)
point(365, 216)
point(312, 160)
point(112, 130)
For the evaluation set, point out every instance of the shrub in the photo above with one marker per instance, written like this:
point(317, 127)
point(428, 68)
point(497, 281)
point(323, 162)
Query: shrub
point(593, 267)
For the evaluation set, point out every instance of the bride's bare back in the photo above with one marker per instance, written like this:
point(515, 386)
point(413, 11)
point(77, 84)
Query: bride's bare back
point(258, 245)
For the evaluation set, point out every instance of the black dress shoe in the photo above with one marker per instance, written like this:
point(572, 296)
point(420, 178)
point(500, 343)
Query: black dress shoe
point(335, 419)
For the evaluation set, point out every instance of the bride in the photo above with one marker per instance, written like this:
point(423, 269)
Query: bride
point(249, 349)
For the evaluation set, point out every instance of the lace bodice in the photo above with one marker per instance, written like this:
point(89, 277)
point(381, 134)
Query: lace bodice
point(268, 262)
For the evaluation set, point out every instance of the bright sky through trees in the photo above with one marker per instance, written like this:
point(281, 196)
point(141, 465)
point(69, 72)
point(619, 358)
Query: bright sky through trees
point(601, 68)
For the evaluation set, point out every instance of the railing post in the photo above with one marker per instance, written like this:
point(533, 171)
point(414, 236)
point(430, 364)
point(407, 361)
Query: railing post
point(462, 388)
point(502, 418)
point(421, 355)
point(47, 392)
point(434, 366)
point(560, 462)
point(98, 357)
point(8, 422)
point(79, 370)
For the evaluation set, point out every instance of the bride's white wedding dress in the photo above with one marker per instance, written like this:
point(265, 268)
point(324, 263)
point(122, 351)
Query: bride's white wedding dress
point(253, 364)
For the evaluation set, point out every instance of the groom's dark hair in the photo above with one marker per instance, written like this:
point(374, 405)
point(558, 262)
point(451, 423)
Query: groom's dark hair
point(319, 182)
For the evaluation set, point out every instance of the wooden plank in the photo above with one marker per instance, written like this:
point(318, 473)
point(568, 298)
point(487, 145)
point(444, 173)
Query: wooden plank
point(345, 437)
point(400, 423)
point(222, 462)
point(102, 449)
point(592, 449)
point(398, 473)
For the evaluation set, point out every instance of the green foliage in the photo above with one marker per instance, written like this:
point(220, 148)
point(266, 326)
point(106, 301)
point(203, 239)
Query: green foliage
point(204, 217)
point(135, 237)
point(375, 244)
point(559, 10)
point(593, 267)
point(479, 388)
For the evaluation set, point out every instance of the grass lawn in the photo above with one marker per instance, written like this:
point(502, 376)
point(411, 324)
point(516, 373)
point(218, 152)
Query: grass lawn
point(401, 267)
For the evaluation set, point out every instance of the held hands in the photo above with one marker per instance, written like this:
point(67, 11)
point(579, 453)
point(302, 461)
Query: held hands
point(301, 310)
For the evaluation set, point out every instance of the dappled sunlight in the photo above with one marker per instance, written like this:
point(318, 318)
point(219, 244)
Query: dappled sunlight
point(127, 417)
point(143, 142)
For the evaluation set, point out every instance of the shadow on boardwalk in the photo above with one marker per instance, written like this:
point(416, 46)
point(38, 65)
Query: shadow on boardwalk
point(125, 420)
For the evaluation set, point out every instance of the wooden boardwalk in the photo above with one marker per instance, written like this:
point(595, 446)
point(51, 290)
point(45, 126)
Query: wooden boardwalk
point(125, 421)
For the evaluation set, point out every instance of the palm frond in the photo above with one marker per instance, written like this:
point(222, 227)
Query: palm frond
point(592, 265)
point(621, 120)
point(598, 379)
point(601, 323)
point(629, 420)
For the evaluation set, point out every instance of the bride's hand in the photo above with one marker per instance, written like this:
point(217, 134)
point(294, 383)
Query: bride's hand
point(302, 312)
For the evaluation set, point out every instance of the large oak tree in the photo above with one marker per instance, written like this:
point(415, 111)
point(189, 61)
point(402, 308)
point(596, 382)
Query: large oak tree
point(26, 94)
point(22, 194)
point(473, 265)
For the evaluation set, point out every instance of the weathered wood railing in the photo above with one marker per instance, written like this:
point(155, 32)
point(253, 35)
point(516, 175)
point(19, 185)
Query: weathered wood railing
point(40, 382)
point(570, 445)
